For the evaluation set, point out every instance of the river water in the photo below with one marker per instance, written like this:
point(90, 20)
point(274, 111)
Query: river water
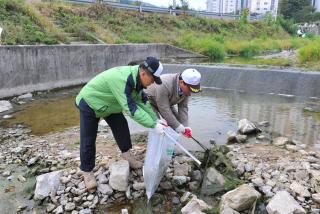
point(212, 113)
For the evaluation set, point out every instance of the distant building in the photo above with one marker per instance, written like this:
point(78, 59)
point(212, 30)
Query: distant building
point(254, 6)
point(223, 6)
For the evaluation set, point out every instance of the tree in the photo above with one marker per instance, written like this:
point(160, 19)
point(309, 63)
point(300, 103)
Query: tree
point(298, 10)
point(184, 5)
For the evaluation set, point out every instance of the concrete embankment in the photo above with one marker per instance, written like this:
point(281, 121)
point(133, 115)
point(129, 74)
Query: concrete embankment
point(254, 80)
point(30, 68)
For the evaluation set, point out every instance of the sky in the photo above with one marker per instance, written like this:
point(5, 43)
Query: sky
point(194, 4)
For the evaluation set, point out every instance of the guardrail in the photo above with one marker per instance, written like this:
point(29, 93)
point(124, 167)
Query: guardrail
point(159, 9)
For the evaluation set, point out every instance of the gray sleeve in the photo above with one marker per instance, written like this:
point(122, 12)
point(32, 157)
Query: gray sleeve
point(162, 101)
point(183, 111)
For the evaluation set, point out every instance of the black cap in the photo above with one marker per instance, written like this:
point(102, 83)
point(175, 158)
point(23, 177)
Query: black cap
point(155, 67)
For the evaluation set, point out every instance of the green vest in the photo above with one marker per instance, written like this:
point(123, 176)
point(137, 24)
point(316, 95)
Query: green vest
point(118, 90)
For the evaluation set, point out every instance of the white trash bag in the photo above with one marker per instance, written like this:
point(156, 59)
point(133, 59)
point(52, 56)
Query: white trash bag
point(158, 157)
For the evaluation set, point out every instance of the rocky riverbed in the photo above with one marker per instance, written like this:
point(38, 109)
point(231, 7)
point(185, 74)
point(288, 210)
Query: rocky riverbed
point(255, 171)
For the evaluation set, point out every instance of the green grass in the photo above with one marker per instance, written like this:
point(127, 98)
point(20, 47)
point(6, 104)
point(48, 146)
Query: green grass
point(48, 23)
point(23, 25)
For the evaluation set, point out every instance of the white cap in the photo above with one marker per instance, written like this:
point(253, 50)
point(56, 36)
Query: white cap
point(192, 77)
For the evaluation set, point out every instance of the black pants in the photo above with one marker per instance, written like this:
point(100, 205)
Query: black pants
point(88, 134)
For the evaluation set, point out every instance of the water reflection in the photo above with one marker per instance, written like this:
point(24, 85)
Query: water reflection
point(214, 112)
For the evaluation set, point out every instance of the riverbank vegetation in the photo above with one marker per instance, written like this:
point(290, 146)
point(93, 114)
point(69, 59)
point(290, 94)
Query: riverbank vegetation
point(237, 41)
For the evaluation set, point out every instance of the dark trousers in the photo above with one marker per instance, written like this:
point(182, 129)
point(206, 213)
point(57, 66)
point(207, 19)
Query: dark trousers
point(88, 134)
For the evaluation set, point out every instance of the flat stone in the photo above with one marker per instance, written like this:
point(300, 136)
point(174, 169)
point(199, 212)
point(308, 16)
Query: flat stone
point(138, 186)
point(280, 141)
point(195, 205)
point(105, 189)
point(119, 175)
point(316, 197)
point(46, 183)
point(299, 189)
point(70, 206)
point(5, 106)
point(241, 198)
point(246, 127)
point(275, 205)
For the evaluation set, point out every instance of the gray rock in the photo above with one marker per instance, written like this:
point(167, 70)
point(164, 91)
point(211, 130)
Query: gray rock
point(138, 186)
point(103, 179)
point(6, 173)
point(257, 181)
point(179, 180)
point(213, 181)
point(280, 141)
point(195, 205)
point(246, 127)
point(299, 189)
point(46, 183)
point(316, 197)
point(119, 175)
point(241, 198)
point(248, 167)
point(33, 161)
point(90, 197)
point(231, 136)
point(227, 210)
point(196, 175)
point(276, 205)
point(58, 210)
point(194, 185)
point(105, 189)
point(50, 208)
point(25, 96)
point(70, 206)
point(175, 201)
point(5, 105)
point(166, 185)
point(7, 116)
point(186, 196)
point(85, 211)
point(241, 138)
point(182, 169)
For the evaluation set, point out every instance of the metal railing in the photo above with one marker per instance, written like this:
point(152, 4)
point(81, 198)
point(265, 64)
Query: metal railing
point(160, 9)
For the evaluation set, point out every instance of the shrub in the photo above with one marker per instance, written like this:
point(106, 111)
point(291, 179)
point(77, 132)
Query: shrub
point(310, 53)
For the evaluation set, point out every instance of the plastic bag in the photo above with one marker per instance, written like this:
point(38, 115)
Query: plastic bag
point(158, 157)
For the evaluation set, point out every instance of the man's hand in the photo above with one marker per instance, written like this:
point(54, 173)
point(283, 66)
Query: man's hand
point(159, 128)
point(163, 122)
point(187, 132)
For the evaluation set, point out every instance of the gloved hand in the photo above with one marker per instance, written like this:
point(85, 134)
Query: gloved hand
point(187, 132)
point(163, 122)
point(159, 128)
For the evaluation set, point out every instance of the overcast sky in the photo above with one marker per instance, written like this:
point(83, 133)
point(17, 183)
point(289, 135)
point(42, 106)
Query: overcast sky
point(195, 4)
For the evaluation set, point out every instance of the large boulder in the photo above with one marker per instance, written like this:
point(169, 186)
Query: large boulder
point(195, 205)
point(284, 203)
point(246, 127)
point(213, 182)
point(47, 183)
point(241, 198)
point(5, 105)
point(119, 175)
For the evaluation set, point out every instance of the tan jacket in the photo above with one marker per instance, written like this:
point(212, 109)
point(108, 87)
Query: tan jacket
point(163, 98)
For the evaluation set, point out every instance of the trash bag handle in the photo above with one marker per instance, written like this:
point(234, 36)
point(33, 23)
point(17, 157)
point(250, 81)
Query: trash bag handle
point(182, 148)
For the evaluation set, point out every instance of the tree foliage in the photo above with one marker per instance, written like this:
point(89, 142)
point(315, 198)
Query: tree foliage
point(298, 10)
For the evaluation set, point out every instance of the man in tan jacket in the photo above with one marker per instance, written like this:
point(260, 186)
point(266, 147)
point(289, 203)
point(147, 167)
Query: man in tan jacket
point(175, 90)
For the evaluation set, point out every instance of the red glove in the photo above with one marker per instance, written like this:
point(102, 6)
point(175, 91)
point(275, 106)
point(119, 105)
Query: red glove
point(187, 132)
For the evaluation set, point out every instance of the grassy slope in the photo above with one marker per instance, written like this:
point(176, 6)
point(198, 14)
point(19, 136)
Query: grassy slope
point(215, 38)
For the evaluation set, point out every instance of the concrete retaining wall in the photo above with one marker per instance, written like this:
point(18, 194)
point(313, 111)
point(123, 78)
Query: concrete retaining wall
point(251, 80)
point(29, 68)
